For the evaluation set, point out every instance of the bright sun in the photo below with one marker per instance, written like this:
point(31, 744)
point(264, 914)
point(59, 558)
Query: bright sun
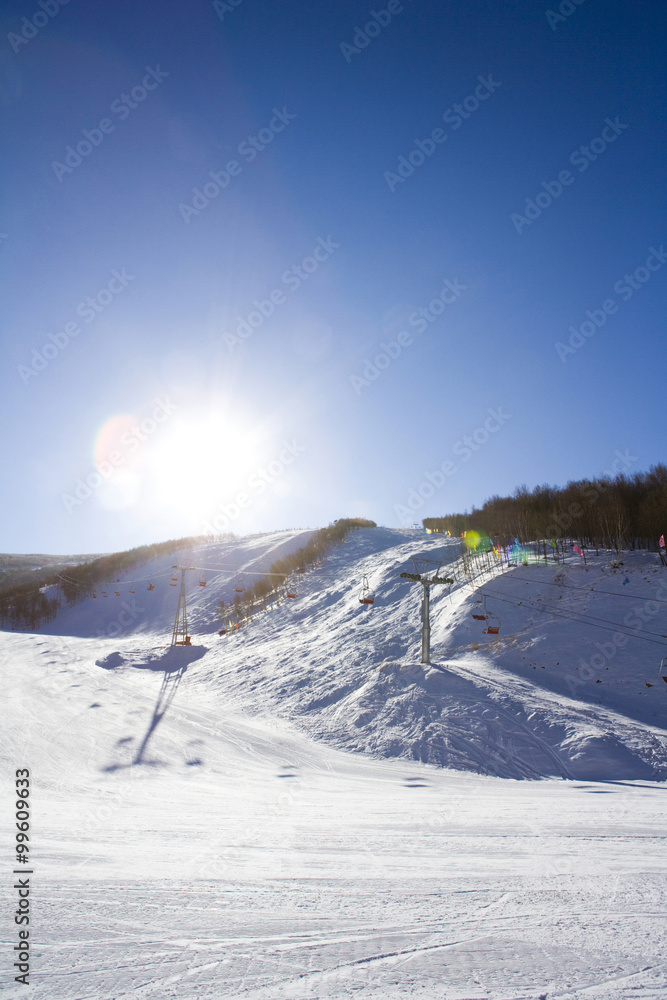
point(196, 465)
point(185, 467)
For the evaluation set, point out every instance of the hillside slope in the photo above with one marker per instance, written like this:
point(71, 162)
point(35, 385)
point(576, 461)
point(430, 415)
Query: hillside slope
point(539, 699)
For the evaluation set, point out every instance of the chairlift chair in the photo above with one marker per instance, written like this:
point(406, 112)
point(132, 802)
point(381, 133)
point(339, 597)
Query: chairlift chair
point(493, 628)
point(202, 580)
point(239, 588)
point(367, 596)
point(151, 586)
point(663, 669)
point(483, 617)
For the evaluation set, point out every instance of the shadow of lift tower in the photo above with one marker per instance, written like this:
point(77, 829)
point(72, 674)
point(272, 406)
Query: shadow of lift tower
point(428, 577)
point(179, 636)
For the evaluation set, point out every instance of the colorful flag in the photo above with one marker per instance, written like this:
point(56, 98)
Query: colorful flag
point(661, 543)
point(577, 549)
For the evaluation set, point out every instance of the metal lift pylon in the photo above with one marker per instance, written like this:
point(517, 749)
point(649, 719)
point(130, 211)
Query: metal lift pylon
point(427, 582)
point(179, 636)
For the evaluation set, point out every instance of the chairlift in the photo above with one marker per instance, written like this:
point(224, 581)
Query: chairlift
point(663, 669)
point(95, 596)
point(117, 593)
point(151, 586)
point(132, 591)
point(202, 580)
point(493, 628)
point(367, 596)
point(173, 583)
point(239, 588)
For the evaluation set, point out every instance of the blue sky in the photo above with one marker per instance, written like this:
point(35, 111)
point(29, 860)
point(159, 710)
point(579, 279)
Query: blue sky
point(218, 217)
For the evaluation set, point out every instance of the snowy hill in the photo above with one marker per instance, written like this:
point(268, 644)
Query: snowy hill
point(551, 695)
point(201, 827)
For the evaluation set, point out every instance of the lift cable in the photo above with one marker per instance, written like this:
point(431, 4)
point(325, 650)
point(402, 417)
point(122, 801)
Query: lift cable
point(589, 590)
point(596, 618)
point(559, 614)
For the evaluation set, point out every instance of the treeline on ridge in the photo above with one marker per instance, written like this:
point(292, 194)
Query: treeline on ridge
point(25, 605)
point(620, 512)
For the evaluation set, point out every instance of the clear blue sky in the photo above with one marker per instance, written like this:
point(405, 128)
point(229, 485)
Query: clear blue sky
point(351, 189)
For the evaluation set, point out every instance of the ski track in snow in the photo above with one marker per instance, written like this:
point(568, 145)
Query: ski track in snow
point(302, 810)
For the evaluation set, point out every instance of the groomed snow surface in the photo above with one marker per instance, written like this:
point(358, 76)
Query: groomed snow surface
point(302, 810)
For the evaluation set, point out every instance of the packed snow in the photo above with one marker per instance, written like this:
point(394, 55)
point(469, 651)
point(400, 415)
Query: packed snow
point(302, 809)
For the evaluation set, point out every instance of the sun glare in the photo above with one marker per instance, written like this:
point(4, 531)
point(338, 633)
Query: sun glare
point(198, 464)
point(178, 467)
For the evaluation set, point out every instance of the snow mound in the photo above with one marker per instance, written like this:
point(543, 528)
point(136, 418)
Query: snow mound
point(168, 658)
point(435, 716)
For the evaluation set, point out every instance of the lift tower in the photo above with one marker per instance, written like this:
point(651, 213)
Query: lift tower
point(427, 581)
point(179, 636)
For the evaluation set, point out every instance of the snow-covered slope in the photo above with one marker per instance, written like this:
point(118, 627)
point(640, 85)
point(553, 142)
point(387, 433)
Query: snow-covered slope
point(568, 688)
point(201, 829)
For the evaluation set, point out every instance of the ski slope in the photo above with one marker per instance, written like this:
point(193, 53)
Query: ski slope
point(302, 809)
